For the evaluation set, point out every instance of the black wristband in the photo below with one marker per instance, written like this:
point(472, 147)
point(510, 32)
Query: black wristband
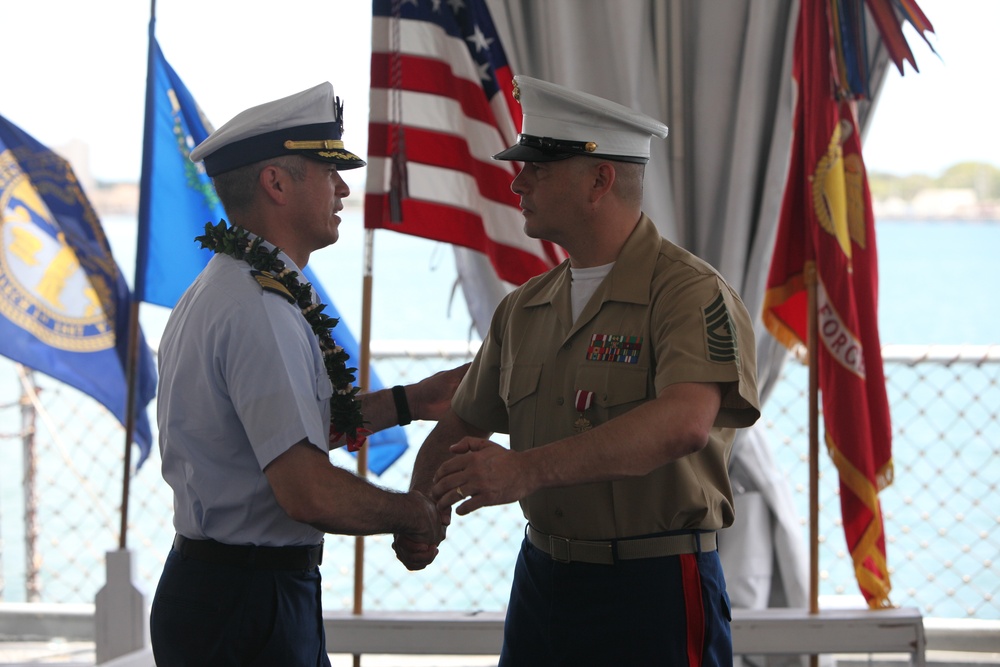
point(403, 416)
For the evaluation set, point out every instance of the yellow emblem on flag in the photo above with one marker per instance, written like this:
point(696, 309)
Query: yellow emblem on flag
point(838, 192)
point(44, 287)
point(830, 192)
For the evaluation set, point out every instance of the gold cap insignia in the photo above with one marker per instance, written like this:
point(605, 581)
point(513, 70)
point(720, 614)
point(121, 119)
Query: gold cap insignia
point(325, 144)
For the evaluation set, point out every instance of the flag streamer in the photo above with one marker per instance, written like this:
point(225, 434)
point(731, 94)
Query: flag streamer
point(849, 39)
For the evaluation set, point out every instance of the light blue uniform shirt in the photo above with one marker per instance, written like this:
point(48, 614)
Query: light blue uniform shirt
point(241, 380)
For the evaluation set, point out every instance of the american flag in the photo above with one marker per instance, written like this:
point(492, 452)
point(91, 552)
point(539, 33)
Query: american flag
point(441, 105)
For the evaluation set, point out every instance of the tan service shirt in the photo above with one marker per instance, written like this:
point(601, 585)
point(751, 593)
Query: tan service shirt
point(662, 316)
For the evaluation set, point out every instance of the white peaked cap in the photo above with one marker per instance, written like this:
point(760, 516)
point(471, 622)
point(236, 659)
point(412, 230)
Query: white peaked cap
point(559, 123)
point(309, 123)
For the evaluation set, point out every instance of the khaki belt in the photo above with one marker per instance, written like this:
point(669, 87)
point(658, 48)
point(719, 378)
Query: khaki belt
point(606, 552)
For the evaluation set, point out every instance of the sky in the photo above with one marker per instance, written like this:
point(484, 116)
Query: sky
point(76, 71)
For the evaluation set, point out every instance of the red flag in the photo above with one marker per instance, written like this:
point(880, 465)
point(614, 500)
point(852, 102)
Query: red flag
point(826, 221)
point(441, 106)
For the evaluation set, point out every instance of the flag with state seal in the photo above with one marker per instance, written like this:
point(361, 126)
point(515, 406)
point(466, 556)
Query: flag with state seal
point(64, 304)
point(176, 197)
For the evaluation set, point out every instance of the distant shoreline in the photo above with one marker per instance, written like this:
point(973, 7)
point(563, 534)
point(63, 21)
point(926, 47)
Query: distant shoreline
point(985, 220)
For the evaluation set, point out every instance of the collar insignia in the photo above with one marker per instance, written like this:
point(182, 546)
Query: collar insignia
point(272, 284)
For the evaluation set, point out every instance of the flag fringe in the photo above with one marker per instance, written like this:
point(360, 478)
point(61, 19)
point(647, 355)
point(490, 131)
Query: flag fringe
point(866, 554)
point(779, 328)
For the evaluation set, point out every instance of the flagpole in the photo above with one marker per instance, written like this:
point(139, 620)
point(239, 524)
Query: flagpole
point(812, 279)
point(118, 629)
point(677, 100)
point(811, 291)
point(132, 363)
point(811, 287)
point(132, 366)
point(363, 373)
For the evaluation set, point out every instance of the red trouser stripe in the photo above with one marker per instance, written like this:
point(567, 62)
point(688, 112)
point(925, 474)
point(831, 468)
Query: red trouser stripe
point(695, 609)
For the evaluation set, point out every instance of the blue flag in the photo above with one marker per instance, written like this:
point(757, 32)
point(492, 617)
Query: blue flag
point(177, 198)
point(64, 303)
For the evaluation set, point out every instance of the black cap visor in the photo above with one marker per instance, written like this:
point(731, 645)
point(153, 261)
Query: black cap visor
point(530, 148)
point(301, 140)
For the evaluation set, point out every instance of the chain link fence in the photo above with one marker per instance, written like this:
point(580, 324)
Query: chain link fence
point(61, 494)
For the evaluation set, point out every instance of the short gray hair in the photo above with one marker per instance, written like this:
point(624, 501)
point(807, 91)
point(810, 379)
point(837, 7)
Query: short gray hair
point(628, 181)
point(236, 188)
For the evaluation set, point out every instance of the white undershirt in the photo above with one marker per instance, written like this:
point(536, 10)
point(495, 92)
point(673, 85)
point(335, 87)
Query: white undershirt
point(584, 283)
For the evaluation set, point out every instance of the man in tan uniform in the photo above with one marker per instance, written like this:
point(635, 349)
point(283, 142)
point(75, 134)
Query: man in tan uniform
point(621, 377)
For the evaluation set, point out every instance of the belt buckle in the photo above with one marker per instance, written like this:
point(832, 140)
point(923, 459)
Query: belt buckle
point(559, 553)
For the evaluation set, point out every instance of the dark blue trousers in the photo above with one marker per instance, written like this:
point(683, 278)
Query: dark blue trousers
point(209, 614)
point(656, 611)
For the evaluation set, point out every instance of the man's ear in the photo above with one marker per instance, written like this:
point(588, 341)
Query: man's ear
point(273, 182)
point(604, 177)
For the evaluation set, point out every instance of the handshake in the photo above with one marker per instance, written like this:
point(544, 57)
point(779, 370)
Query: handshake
point(479, 472)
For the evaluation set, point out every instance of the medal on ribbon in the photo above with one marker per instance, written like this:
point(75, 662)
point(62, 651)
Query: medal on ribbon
point(582, 403)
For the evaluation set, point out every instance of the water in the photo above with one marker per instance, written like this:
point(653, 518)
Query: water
point(413, 285)
point(936, 287)
point(938, 282)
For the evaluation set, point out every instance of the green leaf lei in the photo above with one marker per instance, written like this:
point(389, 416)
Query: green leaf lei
point(345, 408)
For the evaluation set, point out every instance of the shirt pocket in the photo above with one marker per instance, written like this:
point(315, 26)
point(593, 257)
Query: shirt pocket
point(518, 381)
point(617, 387)
point(519, 390)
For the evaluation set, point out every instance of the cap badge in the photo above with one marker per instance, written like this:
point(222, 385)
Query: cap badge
point(517, 92)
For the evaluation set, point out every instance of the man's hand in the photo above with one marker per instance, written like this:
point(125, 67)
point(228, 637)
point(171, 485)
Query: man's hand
point(414, 555)
point(430, 398)
point(429, 528)
point(482, 471)
point(416, 550)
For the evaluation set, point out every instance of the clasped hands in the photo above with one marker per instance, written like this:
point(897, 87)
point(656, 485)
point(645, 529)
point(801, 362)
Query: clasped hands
point(482, 473)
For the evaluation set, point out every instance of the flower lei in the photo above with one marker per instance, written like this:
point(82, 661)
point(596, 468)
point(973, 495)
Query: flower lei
point(345, 408)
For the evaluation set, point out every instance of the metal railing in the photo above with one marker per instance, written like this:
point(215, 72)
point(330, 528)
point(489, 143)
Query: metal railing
point(61, 480)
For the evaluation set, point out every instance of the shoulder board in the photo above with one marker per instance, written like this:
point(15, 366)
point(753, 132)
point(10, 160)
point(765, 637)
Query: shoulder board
point(272, 284)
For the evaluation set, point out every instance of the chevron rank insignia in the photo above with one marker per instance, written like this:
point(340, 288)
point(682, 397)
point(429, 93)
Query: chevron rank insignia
point(719, 334)
point(271, 284)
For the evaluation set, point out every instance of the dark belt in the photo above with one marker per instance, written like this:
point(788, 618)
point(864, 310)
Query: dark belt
point(249, 555)
point(607, 552)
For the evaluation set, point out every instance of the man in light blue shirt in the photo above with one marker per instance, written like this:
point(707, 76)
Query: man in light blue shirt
point(253, 394)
